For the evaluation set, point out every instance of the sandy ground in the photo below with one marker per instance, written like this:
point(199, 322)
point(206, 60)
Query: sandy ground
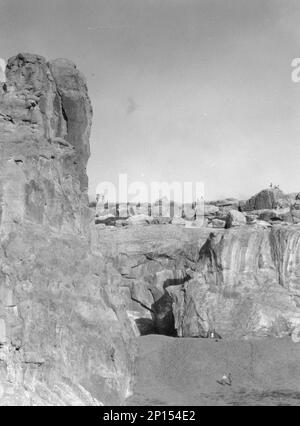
point(172, 371)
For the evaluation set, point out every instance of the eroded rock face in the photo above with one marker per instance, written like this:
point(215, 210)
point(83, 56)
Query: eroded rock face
point(65, 337)
point(45, 119)
point(241, 282)
point(257, 291)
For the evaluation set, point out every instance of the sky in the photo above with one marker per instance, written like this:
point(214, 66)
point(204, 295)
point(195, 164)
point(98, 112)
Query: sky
point(182, 90)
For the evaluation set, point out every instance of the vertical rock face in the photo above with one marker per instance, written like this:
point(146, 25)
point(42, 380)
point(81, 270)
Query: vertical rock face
point(45, 119)
point(65, 337)
point(256, 292)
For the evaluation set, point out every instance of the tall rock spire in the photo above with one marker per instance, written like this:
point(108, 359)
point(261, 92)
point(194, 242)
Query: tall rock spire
point(45, 122)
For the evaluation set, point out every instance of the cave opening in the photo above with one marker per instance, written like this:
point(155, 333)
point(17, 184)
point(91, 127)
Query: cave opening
point(162, 321)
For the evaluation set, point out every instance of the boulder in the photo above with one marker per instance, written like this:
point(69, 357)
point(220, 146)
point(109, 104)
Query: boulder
point(235, 218)
point(162, 220)
point(217, 223)
point(295, 214)
point(296, 205)
point(263, 224)
point(210, 209)
point(227, 202)
point(270, 215)
point(251, 219)
point(140, 220)
point(105, 210)
point(2, 332)
point(143, 208)
point(178, 221)
point(296, 334)
point(123, 211)
point(267, 199)
point(107, 219)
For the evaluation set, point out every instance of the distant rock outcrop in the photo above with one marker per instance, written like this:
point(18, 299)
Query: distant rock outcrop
point(270, 198)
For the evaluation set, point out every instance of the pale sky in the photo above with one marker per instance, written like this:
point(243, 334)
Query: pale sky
point(182, 90)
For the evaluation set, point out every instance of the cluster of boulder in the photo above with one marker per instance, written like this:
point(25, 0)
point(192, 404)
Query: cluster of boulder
point(267, 208)
point(162, 212)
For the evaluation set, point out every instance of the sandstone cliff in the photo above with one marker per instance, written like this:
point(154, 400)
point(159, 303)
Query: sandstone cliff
point(65, 337)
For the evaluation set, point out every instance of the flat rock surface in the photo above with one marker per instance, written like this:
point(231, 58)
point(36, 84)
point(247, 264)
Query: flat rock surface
point(174, 371)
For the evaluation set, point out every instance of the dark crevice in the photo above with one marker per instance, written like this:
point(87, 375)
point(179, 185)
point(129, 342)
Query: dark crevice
point(162, 318)
point(65, 116)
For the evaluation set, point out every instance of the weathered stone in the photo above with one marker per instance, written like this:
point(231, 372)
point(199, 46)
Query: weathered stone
point(242, 282)
point(139, 220)
point(178, 221)
point(268, 199)
point(143, 209)
point(251, 219)
point(296, 214)
point(235, 218)
point(296, 205)
point(241, 302)
point(68, 338)
point(2, 332)
point(227, 202)
point(276, 215)
point(189, 212)
point(217, 223)
point(162, 220)
point(263, 224)
point(211, 209)
point(36, 171)
point(123, 210)
point(296, 334)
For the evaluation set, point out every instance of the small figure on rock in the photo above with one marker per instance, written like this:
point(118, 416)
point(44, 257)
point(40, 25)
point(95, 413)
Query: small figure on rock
point(226, 380)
